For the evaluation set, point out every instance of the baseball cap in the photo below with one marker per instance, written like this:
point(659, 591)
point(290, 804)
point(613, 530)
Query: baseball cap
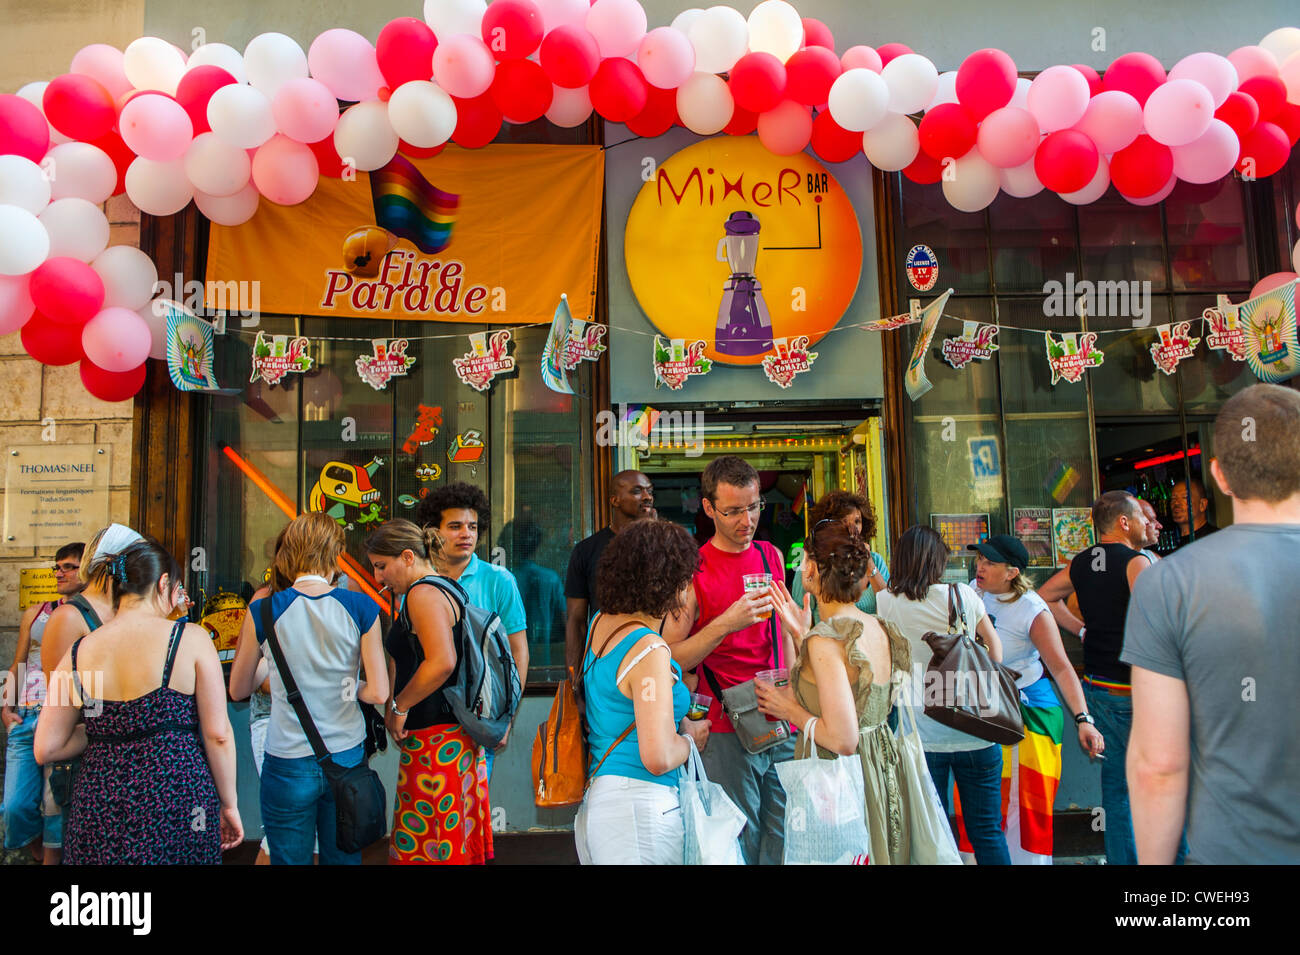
point(1003, 549)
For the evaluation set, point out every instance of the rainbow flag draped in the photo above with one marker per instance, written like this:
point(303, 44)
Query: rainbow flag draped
point(409, 206)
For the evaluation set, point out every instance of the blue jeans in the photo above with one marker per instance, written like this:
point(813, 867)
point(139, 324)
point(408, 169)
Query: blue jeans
point(978, 775)
point(24, 789)
point(1114, 716)
point(298, 809)
point(752, 783)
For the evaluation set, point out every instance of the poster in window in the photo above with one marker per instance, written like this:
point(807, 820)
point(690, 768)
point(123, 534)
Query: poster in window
point(1071, 532)
point(1033, 525)
point(960, 530)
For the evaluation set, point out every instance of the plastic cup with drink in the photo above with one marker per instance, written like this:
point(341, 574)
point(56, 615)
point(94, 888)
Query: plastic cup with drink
point(699, 707)
point(758, 582)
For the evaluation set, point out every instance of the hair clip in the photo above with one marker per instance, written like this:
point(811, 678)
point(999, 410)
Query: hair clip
point(117, 568)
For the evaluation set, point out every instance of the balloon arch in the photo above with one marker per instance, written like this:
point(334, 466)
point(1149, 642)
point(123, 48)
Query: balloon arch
point(228, 129)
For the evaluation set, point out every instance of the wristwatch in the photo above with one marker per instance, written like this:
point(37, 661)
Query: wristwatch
point(1085, 718)
point(396, 711)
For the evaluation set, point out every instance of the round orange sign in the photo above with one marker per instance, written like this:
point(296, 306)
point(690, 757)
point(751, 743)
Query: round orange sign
point(733, 245)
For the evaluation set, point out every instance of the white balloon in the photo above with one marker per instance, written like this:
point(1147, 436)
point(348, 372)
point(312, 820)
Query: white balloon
point(704, 104)
point(569, 107)
point(153, 64)
point(216, 167)
point(128, 276)
point(34, 93)
point(77, 229)
point(946, 91)
point(241, 115)
point(229, 210)
point(1283, 43)
point(81, 171)
point(859, 99)
point(158, 188)
point(422, 114)
point(1020, 181)
point(1020, 98)
point(449, 17)
point(1095, 189)
point(606, 22)
point(555, 13)
point(912, 82)
point(155, 316)
point(23, 184)
point(1164, 126)
point(364, 137)
point(720, 36)
point(219, 54)
point(24, 243)
point(892, 144)
point(273, 59)
point(971, 184)
point(775, 27)
point(682, 22)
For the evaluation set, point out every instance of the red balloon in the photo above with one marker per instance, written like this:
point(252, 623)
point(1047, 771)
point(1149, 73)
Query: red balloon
point(658, 116)
point(405, 51)
point(1137, 74)
point(1268, 92)
point(832, 142)
point(521, 90)
point(512, 29)
point(477, 121)
point(1287, 119)
point(891, 50)
point(757, 82)
point(1092, 76)
point(79, 107)
point(947, 131)
point(809, 75)
point(570, 56)
point(742, 123)
point(196, 88)
point(1264, 150)
point(925, 170)
point(1141, 168)
point(986, 81)
point(67, 290)
point(1239, 111)
point(120, 153)
point(618, 90)
point(1066, 161)
point(415, 152)
point(816, 33)
point(327, 157)
point(111, 385)
point(51, 343)
point(23, 130)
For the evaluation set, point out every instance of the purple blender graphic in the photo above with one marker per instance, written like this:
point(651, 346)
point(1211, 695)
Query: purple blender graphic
point(744, 326)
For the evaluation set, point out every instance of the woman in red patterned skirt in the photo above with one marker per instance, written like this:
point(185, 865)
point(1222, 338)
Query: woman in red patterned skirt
point(441, 814)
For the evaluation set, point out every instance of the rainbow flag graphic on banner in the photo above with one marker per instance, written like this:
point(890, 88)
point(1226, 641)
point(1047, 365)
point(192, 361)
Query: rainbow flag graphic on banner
point(409, 206)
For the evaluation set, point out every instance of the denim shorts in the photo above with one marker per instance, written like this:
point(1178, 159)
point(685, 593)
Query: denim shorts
point(29, 810)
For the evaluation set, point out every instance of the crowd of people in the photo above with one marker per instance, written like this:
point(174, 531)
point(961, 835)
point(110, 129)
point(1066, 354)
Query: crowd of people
point(120, 748)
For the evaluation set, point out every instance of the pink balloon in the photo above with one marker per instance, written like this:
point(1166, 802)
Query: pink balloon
point(1270, 282)
point(103, 64)
point(463, 66)
point(229, 210)
point(617, 25)
point(985, 81)
point(285, 171)
point(305, 110)
point(1216, 73)
point(1058, 98)
point(346, 62)
point(66, 290)
point(1008, 137)
point(1137, 74)
point(156, 127)
point(785, 130)
point(1251, 61)
point(1178, 112)
point(117, 339)
point(1112, 121)
point(666, 58)
point(1093, 190)
point(861, 57)
point(1160, 195)
point(16, 305)
point(1210, 157)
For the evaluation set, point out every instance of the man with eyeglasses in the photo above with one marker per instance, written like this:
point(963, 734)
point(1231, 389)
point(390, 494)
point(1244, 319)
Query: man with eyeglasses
point(633, 499)
point(730, 635)
point(25, 825)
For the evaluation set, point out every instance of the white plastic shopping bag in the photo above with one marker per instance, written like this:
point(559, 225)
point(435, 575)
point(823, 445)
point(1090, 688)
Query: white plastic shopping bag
point(930, 833)
point(711, 821)
point(825, 809)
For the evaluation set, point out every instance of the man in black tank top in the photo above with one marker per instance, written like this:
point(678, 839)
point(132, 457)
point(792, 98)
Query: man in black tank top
point(1102, 576)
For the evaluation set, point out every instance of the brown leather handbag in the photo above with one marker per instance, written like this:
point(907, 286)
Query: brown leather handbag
point(965, 689)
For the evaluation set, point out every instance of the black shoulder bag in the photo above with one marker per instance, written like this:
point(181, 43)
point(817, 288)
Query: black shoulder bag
point(360, 803)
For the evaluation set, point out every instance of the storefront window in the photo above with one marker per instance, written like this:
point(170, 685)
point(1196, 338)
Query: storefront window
point(929, 220)
point(1207, 236)
point(1036, 241)
point(1121, 242)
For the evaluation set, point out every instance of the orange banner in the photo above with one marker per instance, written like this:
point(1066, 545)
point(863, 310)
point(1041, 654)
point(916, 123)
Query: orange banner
point(489, 236)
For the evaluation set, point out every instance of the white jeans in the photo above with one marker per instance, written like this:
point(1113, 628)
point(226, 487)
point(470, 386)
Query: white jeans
point(625, 821)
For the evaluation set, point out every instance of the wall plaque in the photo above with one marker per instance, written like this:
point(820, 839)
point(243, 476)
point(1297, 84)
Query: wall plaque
point(55, 493)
